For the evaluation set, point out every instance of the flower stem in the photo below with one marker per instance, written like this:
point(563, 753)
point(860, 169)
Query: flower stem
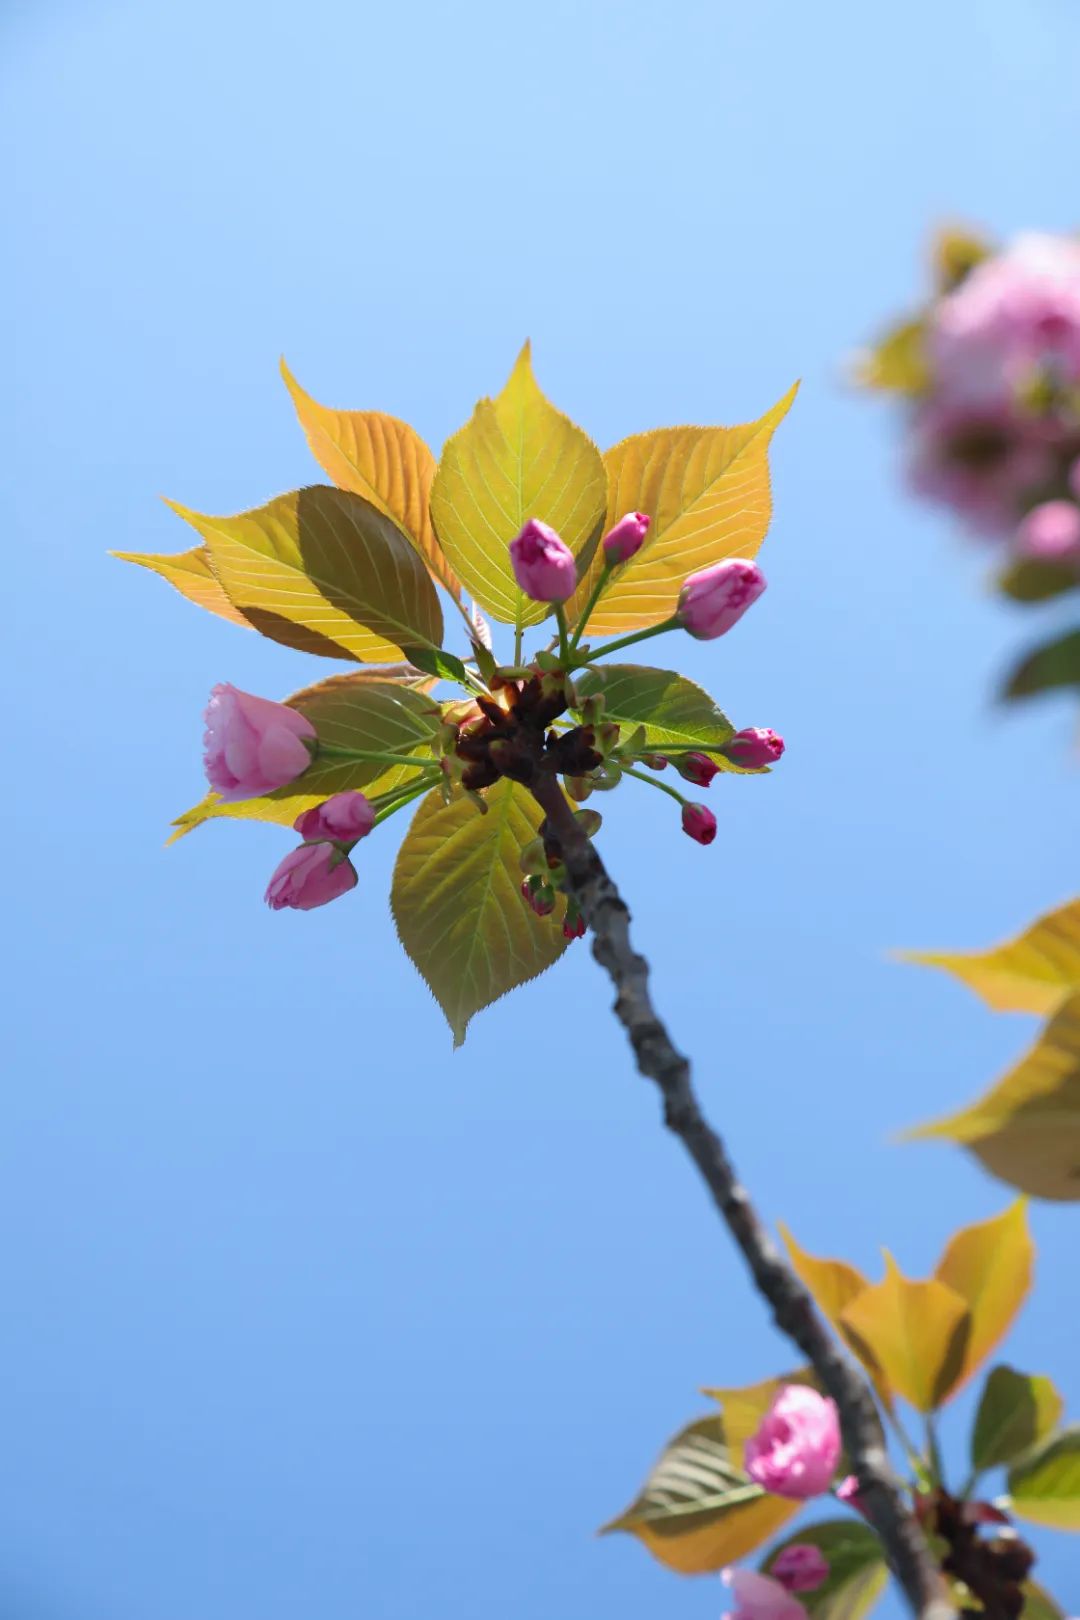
point(662, 787)
point(594, 596)
point(564, 644)
point(329, 752)
point(388, 803)
point(628, 641)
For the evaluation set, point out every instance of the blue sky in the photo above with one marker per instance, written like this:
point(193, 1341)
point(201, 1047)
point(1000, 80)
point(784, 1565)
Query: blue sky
point(303, 1313)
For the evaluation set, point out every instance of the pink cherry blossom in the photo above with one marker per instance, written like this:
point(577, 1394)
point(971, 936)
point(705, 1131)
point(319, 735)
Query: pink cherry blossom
point(985, 461)
point(696, 768)
point(753, 748)
point(759, 1597)
point(801, 1567)
point(627, 537)
point(543, 563)
point(699, 823)
point(1050, 532)
point(797, 1446)
point(310, 876)
point(713, 600)
point(252, 745)
point(345, 818)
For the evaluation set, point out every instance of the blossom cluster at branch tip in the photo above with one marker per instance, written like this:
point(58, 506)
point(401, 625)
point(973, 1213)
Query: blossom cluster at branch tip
point(626, 538)
point(796, 1448)
point(252, 746)
point(715, 599)
point(760, 1597)
point(543, 563)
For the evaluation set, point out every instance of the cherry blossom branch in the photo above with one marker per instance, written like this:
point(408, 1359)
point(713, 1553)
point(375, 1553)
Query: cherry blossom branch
point(793, 1309)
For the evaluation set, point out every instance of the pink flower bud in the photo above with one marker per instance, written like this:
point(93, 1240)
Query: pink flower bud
point(309, 877)
point(713, 600)
point(759, 1597)
point(573, 924)
point(252, 746)
point(797, 1446)
point(753, 748)
point(655, 762)
point(696, 768)
point(699, 822)
point(802, 1567)
point(538, 896)
point(344, 818)
point(543, 563)
point(626, 539)
point(1050, 532)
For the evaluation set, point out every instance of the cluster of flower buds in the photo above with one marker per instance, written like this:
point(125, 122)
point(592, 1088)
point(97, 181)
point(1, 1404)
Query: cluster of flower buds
point(541, 861)
point(320, 869)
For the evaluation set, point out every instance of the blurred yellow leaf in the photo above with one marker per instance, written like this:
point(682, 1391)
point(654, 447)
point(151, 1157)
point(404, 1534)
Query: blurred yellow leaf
point(697, 1511)
point(988, 1265)
point(834, 1284)
point(456, 900)
point(916, 1332)
point(516, 458)
point(707, 492)
point(1045, 1486)
point(857, 1571)
point(954, 253)
point(744, 1406)
point(190, 573)
point(1030, 973)
point(325, 571)
point(897, 363)
point(381, 458)
point(1026, 1130)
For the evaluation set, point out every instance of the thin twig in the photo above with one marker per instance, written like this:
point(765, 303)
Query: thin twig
point(793, 1309)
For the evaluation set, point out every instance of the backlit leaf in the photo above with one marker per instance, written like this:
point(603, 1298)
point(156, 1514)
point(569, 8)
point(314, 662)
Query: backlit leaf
point(189, 572)
point(1054, 665)
point(897, 363)
point(457, 903)
point(1030, 973)
point(707, 492)
point(1045, 1487)
point(1030, 579)
point(955, 252)
point(834, 1284)
point(988, 1265)
point(916, 1332)
point(1016, 1411)
point(382, 459)
point(744, 1406)
point(675, 712)
point(347, 711)
point(857, 1574)
point(323, 570)
point(1039, 1605)
point(697, 1511)
point(1026, 1130)
point(516, 458)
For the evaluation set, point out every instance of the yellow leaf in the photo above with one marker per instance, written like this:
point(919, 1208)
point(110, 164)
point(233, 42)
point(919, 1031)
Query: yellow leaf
point(190, 573)
point(456, 899)
point(988, 1265)
point(897, 363)
point(707, 492)
point(326, 571)
point(516, 458)
point(380, 458)
point(954, 253)
point(347, 711)
point(916, 1332)
point(1026, 1130)
point(744, 1406)
point(1030, 973)
point(1045, 1486)
point(834, 1284)
point(697, 1511)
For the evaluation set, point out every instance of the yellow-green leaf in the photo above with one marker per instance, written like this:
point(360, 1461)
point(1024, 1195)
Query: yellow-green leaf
point(707, 492)
point(1016, 1411)
point(1039, 1605)
point(1045, 1486)
point(955, 252)
point(1026, 1130)
point(698, 1511)
point(190, 573)
point(1030, 973)
point(897, 363)
point(857, 1574)
point(457, 903)
point(324, 570)
point(1053, 665)
point(347, 711)
point(989, 1265)
point(516, 458)
point(381, 458)
point(916, 1332)
point(744, 1406)
point(675, 712)
point(834, 1284)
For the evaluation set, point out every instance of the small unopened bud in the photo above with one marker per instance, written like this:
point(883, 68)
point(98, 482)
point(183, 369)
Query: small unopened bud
point(446, 739)
point(573, 923)
point(699, 823)
point(626, 538)
point(753, 748)
point(538, 896)
point(543, 563)
point(579, 788)
point(607, 737)
point(800, 1567)
point(697, 768)
point(590, 821)
point(655, 762)
point(713, 600)
point(592, 710)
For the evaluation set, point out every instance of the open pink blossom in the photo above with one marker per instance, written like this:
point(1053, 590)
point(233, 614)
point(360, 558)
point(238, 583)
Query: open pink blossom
point(1050, 532)
point(797, 1446)
point(310, 876)
point(984, 461)
point(716, 598)
point(759, 1597)
point(802, 1567)
point(345, 818)
point(252, 745)
point(543, 563)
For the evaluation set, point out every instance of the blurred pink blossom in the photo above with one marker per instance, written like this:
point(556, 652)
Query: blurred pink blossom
point(797, 1446)
point(758, 1597)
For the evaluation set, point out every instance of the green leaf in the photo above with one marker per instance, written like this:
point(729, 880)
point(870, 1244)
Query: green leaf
point(675, 712)
point(857, 1574)
point(456, 899)
point(1054, 665)
point(516, 458)
point(382, 459)
point(1026, 1129)
point(1016, 1411)
point(707, 492)
point(1045, 1486)
point(1031, 973)
point(698, 1511)
point(1031, 580)
point(897, 363)
point(347, 711)
point(446, 665)
point(190, 573)
point(1039, 1605)
point(324, 570)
